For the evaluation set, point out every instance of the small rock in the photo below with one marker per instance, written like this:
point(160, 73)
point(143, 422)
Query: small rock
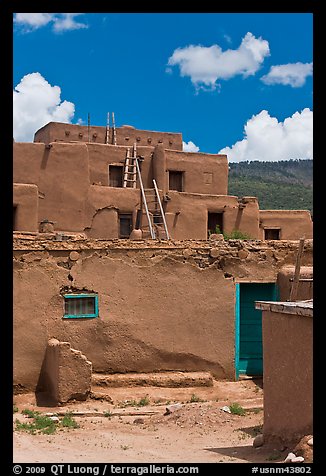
point(243, 254)
point(226, 409)
point(289, 458)
point(138, 421)
point(187, 252)
point(216, 236)
point(74, 255)
point(214, 252)
point(172, 408)
point(310, 442)
point(55, 419)
point(258, 441)
point(298, 459)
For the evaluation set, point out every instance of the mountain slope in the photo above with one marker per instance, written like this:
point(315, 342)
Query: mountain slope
point(283, 185)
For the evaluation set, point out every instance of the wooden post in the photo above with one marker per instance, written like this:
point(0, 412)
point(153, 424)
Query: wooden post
point(295, 284)
point(107, 132)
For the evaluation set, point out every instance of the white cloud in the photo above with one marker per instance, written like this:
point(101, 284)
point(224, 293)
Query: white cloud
point(292, 74)
point(189, 147)
point(35, 103)
point(206, 65)
point(67, 22)
point(33, 20)
point(266, 139)
point(60, 21)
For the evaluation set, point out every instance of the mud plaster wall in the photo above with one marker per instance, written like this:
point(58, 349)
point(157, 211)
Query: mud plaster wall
point(61, 174)
point(294, 224)
point(125, 135)
point(285, 281)
point(65, 373)
point(202, 173)
point(25, 200)
point(101, 155)
point(184, 210)
point(161, 307)
point(288, 374)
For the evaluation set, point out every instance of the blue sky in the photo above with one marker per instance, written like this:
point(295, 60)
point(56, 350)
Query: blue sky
point(240, 83)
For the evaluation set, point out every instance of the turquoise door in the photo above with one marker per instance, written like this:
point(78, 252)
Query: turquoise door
point(249, 345)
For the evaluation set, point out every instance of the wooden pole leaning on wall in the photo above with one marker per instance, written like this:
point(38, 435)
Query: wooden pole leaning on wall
point(114, 135)
point(296, 278)
point(107, 131)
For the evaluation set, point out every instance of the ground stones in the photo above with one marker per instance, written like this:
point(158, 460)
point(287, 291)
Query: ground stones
point(243, 254)
point(258, 441)
point(74, 255)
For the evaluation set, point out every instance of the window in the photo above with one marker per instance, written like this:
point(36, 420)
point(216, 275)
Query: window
point(80, 305)
point(176, 180)
point(272, 233)
point(125, 225)
point(214, 223)
point(115, 175)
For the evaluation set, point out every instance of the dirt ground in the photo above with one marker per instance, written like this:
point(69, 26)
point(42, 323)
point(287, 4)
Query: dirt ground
point(198, 432)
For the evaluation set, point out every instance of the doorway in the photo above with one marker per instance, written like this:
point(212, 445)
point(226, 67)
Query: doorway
point(248, 326)
point(125, 225)
point(214, 223)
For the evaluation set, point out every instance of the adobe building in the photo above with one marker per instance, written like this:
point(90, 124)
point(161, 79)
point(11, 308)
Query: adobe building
point(288, 370)
point(117, 305)
point(71, 178)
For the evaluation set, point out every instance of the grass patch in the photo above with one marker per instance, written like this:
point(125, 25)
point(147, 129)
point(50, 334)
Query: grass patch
point(43, 424)
point(15, 408)
point(134, 403)
point(237, 409)
point(194, 399)
point(69, 422)
point(143, 402)
point(236, 235)
point(108, 414)
point(40, 424)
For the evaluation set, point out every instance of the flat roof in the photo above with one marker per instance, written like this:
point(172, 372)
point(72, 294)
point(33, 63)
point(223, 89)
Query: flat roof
point(301, 308)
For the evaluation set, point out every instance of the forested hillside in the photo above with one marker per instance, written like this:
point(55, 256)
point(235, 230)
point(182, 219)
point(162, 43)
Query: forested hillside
point(279, 185)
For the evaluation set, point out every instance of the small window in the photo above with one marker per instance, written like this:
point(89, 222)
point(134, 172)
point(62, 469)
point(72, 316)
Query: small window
point(176, 180)
point(125, 225)
point(115, 175)
point(272, 233)
point(81, 305)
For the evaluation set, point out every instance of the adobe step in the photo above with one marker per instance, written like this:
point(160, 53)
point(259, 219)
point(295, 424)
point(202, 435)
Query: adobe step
point(153, 379)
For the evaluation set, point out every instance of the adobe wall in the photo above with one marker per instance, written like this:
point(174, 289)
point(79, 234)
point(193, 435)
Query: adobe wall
point(294, 224)
point(25, 201)
point(162, 306)
point(125, 135)
point(184, 210)
point(288, 375)
point(62, 176)
point(285, 281)
point(65, 374)
point(203, 173)
point(100, 156)
point(73, 191)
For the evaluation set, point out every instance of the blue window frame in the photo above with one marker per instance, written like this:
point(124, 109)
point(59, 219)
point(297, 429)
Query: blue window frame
point(80, 306)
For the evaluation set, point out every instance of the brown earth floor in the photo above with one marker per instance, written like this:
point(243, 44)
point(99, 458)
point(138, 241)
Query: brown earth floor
point(198, 432)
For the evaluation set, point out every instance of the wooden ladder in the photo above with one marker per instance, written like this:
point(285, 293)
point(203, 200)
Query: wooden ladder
point(130, 170)
point(151, 202)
